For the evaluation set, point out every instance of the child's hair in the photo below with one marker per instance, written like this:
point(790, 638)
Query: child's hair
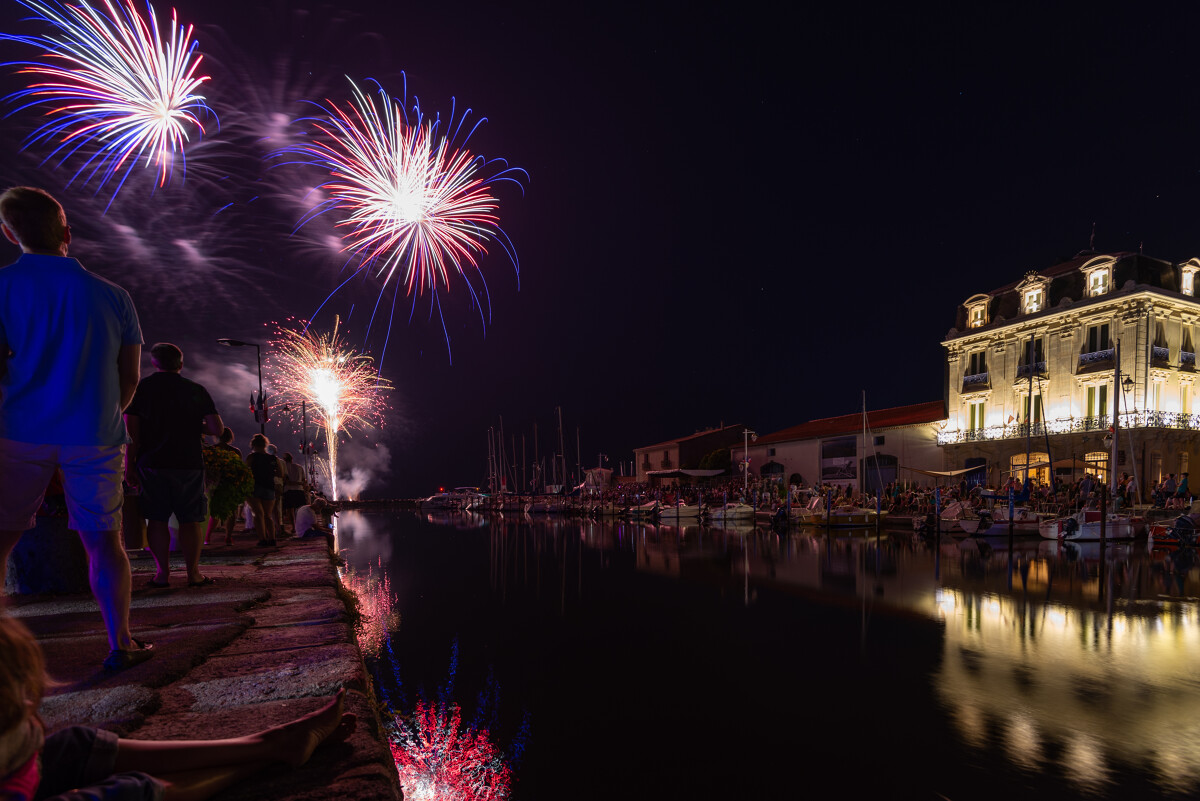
point(22, 673)
point(259, 441)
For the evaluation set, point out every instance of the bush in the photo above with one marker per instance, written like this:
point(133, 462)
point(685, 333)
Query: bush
point(229, 480)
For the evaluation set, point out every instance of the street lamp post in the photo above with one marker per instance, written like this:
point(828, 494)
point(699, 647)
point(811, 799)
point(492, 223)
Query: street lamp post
point(747, 434)
point(260, 412)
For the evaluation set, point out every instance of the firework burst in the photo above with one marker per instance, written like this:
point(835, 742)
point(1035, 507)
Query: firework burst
point(340, 386)
point(117, 91)
point(416, 207)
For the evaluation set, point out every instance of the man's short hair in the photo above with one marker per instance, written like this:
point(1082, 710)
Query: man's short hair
point(166, 356)
point(35, 218)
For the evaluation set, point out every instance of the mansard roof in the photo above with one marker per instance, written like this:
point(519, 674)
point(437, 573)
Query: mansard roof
point(1067, 284)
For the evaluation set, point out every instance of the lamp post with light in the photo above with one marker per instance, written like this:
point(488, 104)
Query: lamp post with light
point(260, 410)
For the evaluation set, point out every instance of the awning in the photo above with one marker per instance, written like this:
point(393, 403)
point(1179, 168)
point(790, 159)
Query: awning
point(947, 473)
point(683, 473)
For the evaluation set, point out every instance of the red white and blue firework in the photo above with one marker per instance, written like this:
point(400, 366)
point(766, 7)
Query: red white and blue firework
point(117, 88)
point(417, 207)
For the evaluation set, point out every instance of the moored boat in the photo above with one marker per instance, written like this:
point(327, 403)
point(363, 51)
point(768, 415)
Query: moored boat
point(1085, 525)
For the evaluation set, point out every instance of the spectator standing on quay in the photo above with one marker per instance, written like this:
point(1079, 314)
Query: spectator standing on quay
point(225, 443)
point(277, 505)
point(165, 421)
point(294, 495)
point(70, 345)
point(265, 468)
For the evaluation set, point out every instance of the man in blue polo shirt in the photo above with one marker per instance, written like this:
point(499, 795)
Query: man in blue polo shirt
point(70, 345)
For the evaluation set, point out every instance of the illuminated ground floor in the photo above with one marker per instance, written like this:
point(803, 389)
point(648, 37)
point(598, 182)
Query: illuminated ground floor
point(1148, 454)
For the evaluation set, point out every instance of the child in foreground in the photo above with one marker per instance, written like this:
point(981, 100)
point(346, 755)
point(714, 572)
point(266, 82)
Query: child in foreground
point(80, 762)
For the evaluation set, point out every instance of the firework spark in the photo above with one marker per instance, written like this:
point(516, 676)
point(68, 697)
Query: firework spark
point(116, 89)
point(341, 386)
point(417, 205)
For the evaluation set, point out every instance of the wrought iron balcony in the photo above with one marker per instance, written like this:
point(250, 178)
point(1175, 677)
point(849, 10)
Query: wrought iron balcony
point(1136, 420)
point(1035, 369)
point(977, 378)
point(1187, 359)
point(1160, 355)
point(1106, 355)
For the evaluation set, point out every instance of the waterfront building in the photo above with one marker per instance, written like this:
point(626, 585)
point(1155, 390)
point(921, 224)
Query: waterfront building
point(1030, 370)
point(685, 452)
point(835, 450)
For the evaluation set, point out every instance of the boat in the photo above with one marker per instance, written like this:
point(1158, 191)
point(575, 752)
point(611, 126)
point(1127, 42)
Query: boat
point(645, 511)
point(731, 511)
point(1085, 525)
point(608, 509)
point(957, 516)
point(438, 502)
point(679, 511)
point(846, 517)
point(1180, 531)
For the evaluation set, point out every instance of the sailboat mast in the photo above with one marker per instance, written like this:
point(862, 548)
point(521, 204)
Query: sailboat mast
point(562, 450)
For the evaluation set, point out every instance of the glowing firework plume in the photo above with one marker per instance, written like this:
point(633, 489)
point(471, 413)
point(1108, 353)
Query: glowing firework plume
point(113, 85)
point(416, 205)
point(340, 386)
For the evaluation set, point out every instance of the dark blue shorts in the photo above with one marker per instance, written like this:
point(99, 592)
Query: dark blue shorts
point(179, 492)
point(80, 758)
point(264, 493)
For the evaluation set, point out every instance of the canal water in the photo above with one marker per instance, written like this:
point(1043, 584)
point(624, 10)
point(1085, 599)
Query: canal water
point(553, 659)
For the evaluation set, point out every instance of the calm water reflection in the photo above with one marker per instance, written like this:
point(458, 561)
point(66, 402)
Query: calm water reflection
point(645, 661)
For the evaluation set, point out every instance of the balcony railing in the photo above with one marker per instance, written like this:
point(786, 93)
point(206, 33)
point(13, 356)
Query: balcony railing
point(1027, 370)
point(1160, 354)
point(977, 378)
point(1097, 356)
point(1187, 360)
point(1172, 420)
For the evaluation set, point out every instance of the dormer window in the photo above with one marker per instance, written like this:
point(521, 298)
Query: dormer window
point(977, 310)
point(1187, 276)
point(1098, 275)
point(1033, 291)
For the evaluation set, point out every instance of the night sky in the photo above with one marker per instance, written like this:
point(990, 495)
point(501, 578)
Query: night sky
point(740, 214)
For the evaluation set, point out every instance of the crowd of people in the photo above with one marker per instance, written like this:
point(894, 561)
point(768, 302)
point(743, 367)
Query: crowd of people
point(75, 411)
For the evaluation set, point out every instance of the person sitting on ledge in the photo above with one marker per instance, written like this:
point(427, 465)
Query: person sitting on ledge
point(310, 520)
point(81, 763)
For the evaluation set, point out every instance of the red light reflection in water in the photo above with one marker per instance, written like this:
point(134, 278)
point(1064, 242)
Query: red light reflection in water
point(376, 607)
point(439, 761)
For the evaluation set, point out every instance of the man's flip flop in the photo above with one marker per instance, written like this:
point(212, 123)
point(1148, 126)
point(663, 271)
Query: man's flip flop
point(204, 582)
point(119, 660)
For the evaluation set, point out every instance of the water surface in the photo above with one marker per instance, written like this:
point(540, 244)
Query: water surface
point(640, 661)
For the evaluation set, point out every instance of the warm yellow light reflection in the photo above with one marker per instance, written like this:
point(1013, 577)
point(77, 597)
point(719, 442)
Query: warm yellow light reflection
point(1095, 685)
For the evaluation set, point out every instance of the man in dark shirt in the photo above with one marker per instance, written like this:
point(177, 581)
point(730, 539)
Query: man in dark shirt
point(165, 420)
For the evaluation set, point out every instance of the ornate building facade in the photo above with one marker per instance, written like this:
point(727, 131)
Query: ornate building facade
point(1031, 371)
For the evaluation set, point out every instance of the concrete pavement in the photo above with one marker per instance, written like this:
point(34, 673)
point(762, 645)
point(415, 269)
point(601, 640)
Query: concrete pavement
point(269, 641)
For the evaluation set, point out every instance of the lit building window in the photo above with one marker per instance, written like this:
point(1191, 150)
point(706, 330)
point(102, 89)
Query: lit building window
point(1097, 403)
point(1098, 282)
point(1155, 399)
point(1187, 276)
point(1185, 398)
point(1097, 339)
point(1035, 300)
point(978, 316)
point(975, 416)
